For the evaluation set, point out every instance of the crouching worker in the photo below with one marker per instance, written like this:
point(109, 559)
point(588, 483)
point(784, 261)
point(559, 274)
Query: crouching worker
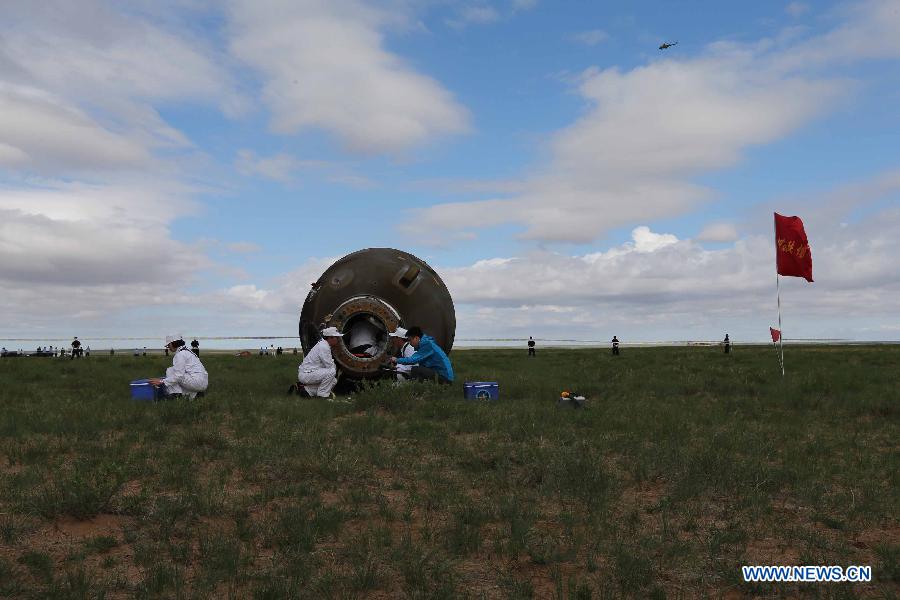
point(402, 349)
point(317, 374)
point(186, 377)
point(429, 360)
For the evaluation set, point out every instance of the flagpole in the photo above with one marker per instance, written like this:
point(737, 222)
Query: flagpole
point(781, 334)
point(778, 293)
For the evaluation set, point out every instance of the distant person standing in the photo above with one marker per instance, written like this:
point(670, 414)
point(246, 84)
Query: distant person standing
point(76, 348)
point(531, 351)
point(195, 347)
point(727, 344)
point(87, 351)
point(615, 346)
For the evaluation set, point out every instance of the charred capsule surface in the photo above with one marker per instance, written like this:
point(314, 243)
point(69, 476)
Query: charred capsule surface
point(368, 294)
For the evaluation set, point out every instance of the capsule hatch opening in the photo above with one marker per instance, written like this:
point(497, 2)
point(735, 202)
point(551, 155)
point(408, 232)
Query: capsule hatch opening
point(365, 335)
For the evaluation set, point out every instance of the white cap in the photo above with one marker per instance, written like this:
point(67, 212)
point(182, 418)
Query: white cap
point(173, 338)
point(400, 333)
point(331, 332)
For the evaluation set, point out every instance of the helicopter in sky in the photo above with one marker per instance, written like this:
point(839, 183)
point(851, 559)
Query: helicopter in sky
point(665, 45)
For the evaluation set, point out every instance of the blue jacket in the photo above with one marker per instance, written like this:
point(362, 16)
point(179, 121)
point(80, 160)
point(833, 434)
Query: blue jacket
point(430, 355)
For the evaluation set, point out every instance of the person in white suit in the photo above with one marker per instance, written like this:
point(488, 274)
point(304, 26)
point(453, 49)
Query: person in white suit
point(317, 374)
point(187, 376)
point(402, 349)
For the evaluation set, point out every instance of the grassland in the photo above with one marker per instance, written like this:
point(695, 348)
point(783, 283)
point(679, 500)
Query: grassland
point(686, 465)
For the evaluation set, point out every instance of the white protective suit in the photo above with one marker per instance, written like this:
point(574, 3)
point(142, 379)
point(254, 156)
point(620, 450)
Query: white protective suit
point(403, 370)
point(317, 372)
point(186, 375)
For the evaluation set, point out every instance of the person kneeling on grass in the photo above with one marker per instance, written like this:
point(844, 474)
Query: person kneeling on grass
point(429, 359)
point(401, 348)
point(317, 374)
point(186, 377)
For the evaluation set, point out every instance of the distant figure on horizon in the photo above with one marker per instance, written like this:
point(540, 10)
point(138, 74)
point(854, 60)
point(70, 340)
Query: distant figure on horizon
point(76, 348)
point(531, 351)
point(195, 347)
point(727, 344)
point(615, 346)
point(87, 351)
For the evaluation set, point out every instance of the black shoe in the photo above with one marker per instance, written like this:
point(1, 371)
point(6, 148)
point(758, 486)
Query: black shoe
point(292, 390)
point(199, 395)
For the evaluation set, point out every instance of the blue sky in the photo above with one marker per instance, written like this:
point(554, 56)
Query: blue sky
point(193, 165)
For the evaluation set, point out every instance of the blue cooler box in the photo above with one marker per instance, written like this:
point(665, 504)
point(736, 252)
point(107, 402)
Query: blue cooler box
point(142, 389)
point(481, 390)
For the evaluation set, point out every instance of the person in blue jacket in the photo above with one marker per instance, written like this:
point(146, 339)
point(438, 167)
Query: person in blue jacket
point(429, 359)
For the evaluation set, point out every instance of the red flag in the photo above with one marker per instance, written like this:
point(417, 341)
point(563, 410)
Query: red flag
point(776, 334)
point(792, 255)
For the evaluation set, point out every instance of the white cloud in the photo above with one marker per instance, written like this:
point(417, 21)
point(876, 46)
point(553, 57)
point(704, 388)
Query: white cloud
point(248, 295)
point(591, 37)
point(41, 132)
point(324, 65)
point(647, 241)
point(871, 30)
point(520, 5)
point(683, 290)
point(718, 232)
point(280, 167)
point(108, 53)
point(650, 131)
point(93, 235)
point(659, 287)
point(286, 169)
point(796, 9)
point(474, 15)
point(80, 88)
point(656, 286)
point(90, 73)
point(242, 247)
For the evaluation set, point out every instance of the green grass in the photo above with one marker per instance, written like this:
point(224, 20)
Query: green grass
point(686, 465)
